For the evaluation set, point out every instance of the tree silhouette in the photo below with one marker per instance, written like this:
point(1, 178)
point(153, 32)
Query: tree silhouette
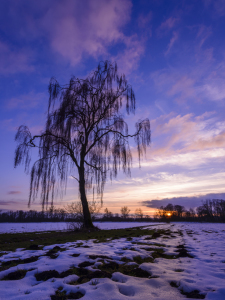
point(84, 131)
point(179, 210)
point(108, 214)
point(125, 212)
point(139, 213)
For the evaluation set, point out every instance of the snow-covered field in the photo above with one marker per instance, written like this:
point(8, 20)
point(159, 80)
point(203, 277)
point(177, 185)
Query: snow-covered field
point(192, 263)
point(52, 226)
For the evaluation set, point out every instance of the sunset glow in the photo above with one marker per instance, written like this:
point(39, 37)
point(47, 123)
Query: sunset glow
point(172, 53)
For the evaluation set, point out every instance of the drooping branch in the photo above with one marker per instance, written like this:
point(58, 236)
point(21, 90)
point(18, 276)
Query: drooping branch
point(84, 132)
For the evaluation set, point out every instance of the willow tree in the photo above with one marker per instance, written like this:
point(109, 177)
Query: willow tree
point(84, 133)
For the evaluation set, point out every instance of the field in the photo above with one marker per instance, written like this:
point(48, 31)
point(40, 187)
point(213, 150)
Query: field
point(164, 261)
point(55, 226)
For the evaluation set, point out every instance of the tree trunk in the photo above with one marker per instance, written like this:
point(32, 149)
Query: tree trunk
point(86, 213)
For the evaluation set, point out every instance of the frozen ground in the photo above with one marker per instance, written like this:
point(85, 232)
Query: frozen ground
point(186, 260)
point(52, 226)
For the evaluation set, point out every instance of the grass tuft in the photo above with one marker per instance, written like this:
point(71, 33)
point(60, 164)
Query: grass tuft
point(16, 275)
point(45, 275)
point(61, 295)
point(12, 241)
point(15, 262)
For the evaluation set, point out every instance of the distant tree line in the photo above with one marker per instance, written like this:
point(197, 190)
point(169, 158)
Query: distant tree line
point(51, 215)
point(72, 213)
point(209, 211)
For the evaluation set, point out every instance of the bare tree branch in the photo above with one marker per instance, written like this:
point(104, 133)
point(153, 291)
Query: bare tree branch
point(84, 132)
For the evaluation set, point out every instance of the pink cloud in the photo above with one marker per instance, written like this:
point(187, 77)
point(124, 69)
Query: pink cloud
point(215, 90)
point(184, 134)
point(9, 203)
point(172, 82)
point(143, 20)
point(6, 124)
point(14, 192)
point(78, 28)
point(26, 101)
point(166, 26)
point(203, 34)
point(12, 61)
point(172, 41)
point(129, 58)
point(200, 80)
point(216, 141)
point(75, 30)
point(217, 6)
point(182, 89)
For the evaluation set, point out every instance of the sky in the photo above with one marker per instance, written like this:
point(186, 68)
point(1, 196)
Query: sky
point(173, 55)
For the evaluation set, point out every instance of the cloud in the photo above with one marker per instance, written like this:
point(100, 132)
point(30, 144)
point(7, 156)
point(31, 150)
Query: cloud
point(219, 6)
point(144, 23)
point(128, 59)
point(216, 6)
point(83, 28)
point(7, 124)
point(74, 30)
point(197, 74)
point(9, 202)
point(217, 141)
point(201, 80)
point(171, 43)
point(182, 88)
point(185, 158)
point(143, 20)
point(176, 85)
point(183, 134)
point(14, 61)
point(26, 101)
point(91, 29)
point(13, 192)
point(215, 92)
point(184, 140)
point(187, 202)
point(203, 34)
point(166, 26)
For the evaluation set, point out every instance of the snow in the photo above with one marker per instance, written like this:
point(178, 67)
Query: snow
point(53, 226)
point(204, 271)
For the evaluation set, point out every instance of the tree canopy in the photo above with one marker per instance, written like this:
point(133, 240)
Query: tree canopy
point(84, 132)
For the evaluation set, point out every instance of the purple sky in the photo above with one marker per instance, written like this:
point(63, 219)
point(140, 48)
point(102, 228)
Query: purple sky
point(173, 54)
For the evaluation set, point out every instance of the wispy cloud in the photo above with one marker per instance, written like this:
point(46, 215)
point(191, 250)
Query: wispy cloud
point(203, 34)
point(182, 134)
point(27, 101)
point(165, 182)
point(144, 23)
point(9, 203)
point(182, 88)
point(173, 39)
point(14, 61)
point(178, 86)
point(214, 91)
point(166, 26)
point(129, 58)
point(13, 192)
point(217, 6)
point(197, 82)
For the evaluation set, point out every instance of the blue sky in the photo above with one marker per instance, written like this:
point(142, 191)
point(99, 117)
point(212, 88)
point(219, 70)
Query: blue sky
point(173, 54)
